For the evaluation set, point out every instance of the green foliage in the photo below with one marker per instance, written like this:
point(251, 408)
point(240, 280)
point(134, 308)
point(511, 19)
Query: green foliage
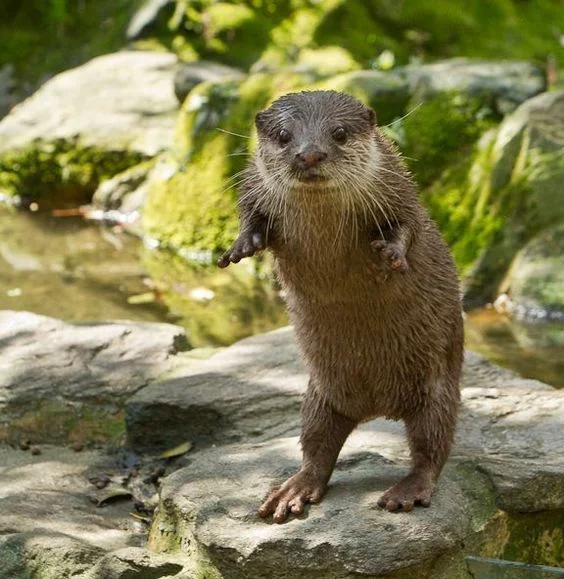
point(48, 36)
point(242, 32)
point(440, 29)
point(61, 166)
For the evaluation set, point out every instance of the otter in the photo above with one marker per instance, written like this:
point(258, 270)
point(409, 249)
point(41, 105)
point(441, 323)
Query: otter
point(371, 289)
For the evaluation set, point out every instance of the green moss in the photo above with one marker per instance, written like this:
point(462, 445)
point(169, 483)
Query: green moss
point(440, 131)
point(536, 538)
point(60, 172)
point(196, 207)
point(59, 422)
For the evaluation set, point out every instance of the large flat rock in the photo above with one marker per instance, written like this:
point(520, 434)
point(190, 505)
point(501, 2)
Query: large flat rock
point(118, 101)
point(241, 408)
point(58, 378)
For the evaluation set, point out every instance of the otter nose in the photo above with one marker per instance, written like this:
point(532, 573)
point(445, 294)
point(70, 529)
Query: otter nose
point(309, 158)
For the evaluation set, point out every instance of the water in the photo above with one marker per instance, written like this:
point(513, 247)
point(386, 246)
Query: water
point(69, 269)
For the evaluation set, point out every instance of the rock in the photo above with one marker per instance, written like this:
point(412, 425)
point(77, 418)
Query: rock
point(506, 83)
point(190, 74)
point(61, 380)
point(508, 194)
point(132, 562)
point(50, 527)
point(7, 90)
point(212, 505)
point(53, 525)
point(535, 281)
point(240, 406)
point(45, 555)
point(247, 401)
point(118, 101)
point(147, 17)
point(126, 191)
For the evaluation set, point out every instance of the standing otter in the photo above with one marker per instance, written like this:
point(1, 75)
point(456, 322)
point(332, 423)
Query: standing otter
point(371, 289)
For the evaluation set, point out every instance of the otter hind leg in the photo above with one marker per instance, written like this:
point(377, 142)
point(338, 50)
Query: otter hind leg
point(324, 432)
point(430, 433)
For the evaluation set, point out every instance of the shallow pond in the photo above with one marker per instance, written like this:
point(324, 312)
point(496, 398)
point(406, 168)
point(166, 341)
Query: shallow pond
point(77, 271)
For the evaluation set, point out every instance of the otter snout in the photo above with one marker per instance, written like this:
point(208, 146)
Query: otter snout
point(309, 158)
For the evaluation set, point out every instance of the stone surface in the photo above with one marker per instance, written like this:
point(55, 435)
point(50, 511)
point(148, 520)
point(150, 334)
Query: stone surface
point(57, 379)
point(213, 502)
point(534, 285)
point(240, 407)
point(190, 74)
point(51, 526)
point(252, 389)
point(118, 101)
point(507, 83)
point(132, 562)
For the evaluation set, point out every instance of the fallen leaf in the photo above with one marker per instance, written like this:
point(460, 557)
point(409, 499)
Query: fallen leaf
point(140, 299)
point(111, 494)
point(177, 450)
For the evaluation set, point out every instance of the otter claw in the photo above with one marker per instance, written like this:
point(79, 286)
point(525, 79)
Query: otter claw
point(246, 245)
point(391, 253)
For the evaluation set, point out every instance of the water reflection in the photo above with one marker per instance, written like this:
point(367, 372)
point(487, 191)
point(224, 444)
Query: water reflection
point(66, 268)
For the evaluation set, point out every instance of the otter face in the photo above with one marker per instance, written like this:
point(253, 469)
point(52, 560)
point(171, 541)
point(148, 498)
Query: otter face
point(308, 138)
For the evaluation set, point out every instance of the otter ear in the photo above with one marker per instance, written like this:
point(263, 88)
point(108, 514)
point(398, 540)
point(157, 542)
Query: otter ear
point(260, 120)
point(370, 116)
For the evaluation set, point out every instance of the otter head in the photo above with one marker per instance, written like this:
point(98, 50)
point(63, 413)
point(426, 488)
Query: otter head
point(316, 140)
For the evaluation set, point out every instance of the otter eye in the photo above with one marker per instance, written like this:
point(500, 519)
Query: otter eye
point(284, 136)
point(340, 135)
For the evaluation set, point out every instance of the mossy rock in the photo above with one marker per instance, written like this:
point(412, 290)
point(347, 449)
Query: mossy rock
point(65, 167)
point(490, 204)
point(535, 282)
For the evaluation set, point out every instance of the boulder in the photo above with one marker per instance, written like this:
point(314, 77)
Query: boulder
point(510, 192)
point(118, 101)
point(103, 117)
point(240, 408)
point(61, 381)
point(534, 285)
point(505, 84)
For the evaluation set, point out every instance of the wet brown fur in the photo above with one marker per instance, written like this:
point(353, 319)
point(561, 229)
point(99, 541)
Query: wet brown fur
point(377, 341)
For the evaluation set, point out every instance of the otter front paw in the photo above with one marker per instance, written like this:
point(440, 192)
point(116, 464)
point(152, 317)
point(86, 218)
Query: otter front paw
point(392, 253)
point(246, 245)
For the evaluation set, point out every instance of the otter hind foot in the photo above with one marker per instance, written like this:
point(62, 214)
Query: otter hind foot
point(414, 489)
point(392, 253)
point(292, 497)
point(246, 245)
